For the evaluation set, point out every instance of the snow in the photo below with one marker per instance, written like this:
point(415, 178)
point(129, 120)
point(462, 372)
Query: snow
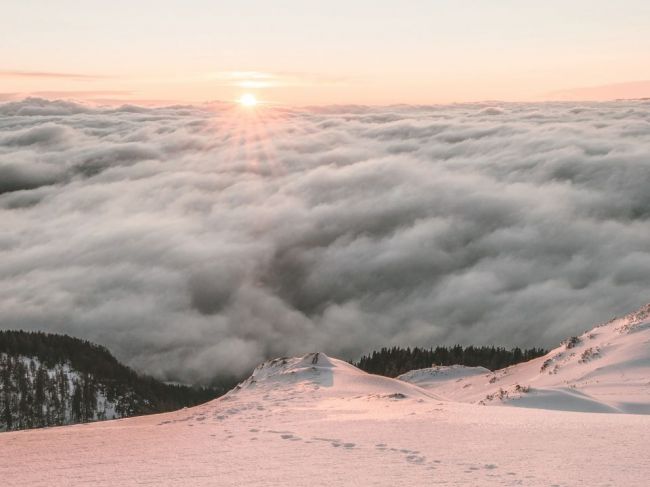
point(315, 420)
point(604, 370)
point(442, 373)
point(319, 421)
point(315, 372)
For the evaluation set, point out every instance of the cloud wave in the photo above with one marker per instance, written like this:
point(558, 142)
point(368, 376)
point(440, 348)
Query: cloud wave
point(197, 241)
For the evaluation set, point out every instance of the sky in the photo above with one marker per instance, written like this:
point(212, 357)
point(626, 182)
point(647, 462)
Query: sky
point(316, 53)
point(198, 241)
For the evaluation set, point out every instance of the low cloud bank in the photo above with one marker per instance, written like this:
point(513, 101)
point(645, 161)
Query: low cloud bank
point(197, 241)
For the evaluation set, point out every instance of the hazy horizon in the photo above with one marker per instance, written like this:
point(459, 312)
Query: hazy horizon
point(297, 53)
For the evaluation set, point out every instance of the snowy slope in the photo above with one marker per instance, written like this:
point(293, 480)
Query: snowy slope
point(606, 369)
point(319, 421)
point(53, 380)
point(432, 376)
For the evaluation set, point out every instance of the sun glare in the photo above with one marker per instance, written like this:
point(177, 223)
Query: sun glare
point(248, 100)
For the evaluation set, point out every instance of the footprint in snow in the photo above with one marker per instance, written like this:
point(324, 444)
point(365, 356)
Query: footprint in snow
point(416, 459)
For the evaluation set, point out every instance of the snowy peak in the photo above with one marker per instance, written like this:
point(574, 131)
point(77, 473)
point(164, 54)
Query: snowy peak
point(320, 377)
point(313, 366)
point(284, 365)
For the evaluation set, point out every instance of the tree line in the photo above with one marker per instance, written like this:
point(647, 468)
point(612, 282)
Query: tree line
point(48, 380)
point(394, 361)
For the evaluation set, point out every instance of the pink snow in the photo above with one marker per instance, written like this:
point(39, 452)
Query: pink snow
point(319, 421)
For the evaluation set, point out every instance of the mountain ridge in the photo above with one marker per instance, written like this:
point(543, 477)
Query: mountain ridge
point(605, 369)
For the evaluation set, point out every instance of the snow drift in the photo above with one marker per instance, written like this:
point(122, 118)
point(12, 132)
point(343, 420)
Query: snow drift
point(441, 373)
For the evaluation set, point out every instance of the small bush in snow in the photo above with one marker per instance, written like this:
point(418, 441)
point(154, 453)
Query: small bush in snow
point(589, 354)
point(571, 342)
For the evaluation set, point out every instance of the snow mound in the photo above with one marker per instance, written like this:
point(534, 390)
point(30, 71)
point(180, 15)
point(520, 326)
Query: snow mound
point(606, 369)
point(433, 375)
point(561, 399)
point(320, 376)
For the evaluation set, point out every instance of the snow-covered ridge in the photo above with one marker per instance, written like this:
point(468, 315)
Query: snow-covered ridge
point(606, 369)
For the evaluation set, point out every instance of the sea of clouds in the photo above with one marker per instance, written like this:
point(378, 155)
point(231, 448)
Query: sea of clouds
point(197, 241)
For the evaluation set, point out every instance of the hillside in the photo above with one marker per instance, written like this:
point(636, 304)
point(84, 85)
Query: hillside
point(318, 421)
point(315, 420)
point(51, 380)
point(606, 369)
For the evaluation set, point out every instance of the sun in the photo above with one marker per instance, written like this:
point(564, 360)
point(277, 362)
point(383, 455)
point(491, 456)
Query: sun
point(248, 100)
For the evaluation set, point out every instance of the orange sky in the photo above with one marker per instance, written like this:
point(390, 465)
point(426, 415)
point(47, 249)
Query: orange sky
point(293, 52)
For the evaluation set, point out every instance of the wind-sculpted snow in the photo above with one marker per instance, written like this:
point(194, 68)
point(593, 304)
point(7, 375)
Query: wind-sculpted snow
point(437, 373)
point(196, 241)
point(318, 376)
point(603, 370)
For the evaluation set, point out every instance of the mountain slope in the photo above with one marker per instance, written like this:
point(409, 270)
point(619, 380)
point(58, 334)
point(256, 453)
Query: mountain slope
point(605, 369)
point(319, 421)
point(51, 380)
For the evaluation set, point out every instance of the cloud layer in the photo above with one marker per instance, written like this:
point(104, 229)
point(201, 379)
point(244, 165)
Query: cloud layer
point(197, 241)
